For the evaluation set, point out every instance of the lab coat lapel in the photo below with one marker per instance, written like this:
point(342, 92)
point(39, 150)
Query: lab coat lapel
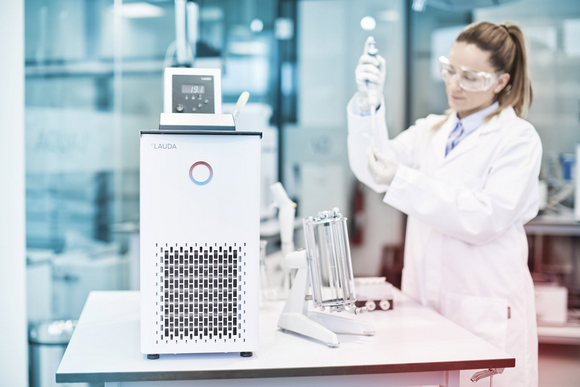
point(465, 145)
point(440, 140)
point(472, 140)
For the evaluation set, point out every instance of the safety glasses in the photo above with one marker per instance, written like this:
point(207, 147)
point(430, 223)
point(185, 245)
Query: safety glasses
point(469, 80)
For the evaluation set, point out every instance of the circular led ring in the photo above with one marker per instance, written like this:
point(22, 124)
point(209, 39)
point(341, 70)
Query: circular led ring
point(201, 182)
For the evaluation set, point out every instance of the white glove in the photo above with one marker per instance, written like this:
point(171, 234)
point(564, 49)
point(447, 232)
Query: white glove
point(381, 167)
point(369, 69)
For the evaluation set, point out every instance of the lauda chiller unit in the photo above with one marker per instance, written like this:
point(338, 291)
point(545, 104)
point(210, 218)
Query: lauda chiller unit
point(200, 198)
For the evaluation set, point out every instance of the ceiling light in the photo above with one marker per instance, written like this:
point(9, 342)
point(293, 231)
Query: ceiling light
point(368, 23)
point(140, 10)
point(256, 25)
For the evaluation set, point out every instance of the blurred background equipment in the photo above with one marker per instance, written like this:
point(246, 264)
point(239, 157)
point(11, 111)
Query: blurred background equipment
point(374, 293)
point(577, 199)
point(551, 304)
point(47, 343)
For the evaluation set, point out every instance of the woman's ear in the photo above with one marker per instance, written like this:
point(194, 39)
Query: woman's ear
point(502, 82)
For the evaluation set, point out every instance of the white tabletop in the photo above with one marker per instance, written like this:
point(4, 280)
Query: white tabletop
point(410, 338)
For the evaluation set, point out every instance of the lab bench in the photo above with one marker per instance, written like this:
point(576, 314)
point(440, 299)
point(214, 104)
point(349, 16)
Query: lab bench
point(413, 345)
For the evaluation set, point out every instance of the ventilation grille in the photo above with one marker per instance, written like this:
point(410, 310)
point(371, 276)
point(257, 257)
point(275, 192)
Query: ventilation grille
point(200, 293)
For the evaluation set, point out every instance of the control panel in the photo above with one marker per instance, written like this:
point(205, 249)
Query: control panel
point(192, 90)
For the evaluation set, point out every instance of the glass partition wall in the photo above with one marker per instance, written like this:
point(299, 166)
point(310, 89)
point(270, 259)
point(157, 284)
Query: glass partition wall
point(93, 81)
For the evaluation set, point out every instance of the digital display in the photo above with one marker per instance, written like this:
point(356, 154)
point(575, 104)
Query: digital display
point(193, 89)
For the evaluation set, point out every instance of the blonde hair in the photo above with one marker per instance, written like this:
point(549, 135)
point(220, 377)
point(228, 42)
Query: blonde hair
point(507, 53)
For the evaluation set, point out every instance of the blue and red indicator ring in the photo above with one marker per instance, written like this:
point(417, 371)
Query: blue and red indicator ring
point(197, 181)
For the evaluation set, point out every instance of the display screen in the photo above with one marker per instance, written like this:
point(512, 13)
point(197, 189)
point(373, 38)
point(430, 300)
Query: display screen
point(193, 89)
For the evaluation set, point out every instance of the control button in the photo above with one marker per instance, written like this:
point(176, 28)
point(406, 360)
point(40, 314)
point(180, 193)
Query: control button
point(193, 109)
point(179, 108)
point(199, 96)
point(199, 105)
point(206, 101)
point(186, 96)
point(193, 97)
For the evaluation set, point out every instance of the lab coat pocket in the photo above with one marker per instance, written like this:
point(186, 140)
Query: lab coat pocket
point(485, 317)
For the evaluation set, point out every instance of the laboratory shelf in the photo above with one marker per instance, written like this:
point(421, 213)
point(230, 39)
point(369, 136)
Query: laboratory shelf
point(564, 334)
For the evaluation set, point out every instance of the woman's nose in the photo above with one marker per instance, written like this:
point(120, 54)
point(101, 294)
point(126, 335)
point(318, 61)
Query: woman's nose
point(454, 82)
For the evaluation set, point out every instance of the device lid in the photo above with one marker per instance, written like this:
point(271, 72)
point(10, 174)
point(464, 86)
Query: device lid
point(190, 121)
point(202, 132)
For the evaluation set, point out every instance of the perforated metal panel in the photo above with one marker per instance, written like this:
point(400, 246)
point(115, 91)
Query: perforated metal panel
point(200, 293)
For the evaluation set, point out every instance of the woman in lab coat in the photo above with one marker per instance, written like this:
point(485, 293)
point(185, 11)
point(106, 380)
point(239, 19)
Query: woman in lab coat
point(468, 181)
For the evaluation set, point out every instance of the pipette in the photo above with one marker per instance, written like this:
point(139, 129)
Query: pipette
point(372, 91)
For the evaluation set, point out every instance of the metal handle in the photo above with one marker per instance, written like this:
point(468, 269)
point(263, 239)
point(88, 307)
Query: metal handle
point(485, 373)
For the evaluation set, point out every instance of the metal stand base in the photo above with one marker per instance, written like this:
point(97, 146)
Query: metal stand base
point(297, 318)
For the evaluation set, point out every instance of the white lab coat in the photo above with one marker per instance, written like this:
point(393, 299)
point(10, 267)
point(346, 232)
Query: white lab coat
point(466, 250)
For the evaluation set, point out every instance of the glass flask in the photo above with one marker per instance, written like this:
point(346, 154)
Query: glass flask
point(329, 261)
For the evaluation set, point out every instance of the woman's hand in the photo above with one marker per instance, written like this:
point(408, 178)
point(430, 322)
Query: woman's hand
point(381, 167)
point(369, 69)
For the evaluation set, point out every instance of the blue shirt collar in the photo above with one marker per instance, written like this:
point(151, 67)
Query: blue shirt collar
point(475, 120)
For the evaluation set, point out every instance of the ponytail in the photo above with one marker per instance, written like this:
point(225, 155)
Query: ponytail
point(518, 92)
point(507, 53)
